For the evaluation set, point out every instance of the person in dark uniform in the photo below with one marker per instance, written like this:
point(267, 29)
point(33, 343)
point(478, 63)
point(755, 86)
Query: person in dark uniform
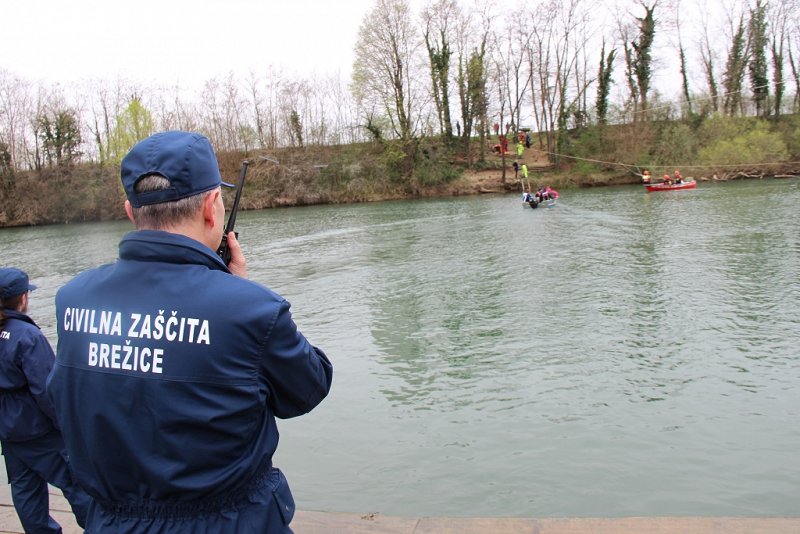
point(172, 367)
point(32, 444)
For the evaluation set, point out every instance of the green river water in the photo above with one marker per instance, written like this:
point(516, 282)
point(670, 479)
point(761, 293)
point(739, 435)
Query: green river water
point(621, 354)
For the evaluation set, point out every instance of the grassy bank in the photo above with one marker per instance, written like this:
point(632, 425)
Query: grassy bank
point(301, 176)
point(717, 148)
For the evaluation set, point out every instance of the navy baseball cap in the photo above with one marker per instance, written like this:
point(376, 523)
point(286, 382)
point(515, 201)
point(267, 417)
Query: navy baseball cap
point(14, 282)
point(186, 159)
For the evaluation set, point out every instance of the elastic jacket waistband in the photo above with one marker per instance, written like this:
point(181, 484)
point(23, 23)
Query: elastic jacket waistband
point(178, 509)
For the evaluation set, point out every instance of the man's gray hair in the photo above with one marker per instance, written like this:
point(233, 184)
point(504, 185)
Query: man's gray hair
point(165, 214)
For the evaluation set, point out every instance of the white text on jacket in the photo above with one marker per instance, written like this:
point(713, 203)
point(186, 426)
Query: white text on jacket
point(141, 326)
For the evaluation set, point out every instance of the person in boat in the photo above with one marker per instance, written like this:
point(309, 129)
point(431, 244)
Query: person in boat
point(545, 192)
point(667, 180)
point(677, 178)
point(645, 176)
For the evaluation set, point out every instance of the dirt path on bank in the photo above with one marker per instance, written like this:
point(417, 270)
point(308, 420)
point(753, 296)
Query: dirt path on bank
point(492, 181)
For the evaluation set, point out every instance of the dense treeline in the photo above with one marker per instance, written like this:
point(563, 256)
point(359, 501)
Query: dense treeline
point(302, 176)
point(428, 89)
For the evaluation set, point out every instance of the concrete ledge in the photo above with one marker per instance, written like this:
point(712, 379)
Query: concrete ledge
point(336, 523)
point(309, 522)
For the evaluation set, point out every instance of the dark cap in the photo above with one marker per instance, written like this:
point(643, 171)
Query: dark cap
point(186, 159)
point(13, 282)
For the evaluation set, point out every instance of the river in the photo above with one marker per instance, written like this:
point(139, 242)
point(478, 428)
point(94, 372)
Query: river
point(621, 354)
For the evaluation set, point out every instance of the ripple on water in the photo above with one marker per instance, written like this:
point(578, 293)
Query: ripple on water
point(623, 354)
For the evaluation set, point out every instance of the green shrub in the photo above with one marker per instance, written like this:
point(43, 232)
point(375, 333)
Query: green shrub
point(789, 127)
point(677, 145)
point(434, 173)
point(751, 146)
point(722, 127)
point(582, 167)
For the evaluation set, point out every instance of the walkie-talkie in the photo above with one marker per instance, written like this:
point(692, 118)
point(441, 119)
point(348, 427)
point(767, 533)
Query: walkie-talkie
point(223, 250)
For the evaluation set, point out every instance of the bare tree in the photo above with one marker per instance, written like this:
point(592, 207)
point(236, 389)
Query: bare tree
point(59, 134)
point(238, 133)
point(269, 105)
point(386, 60)
point(793, 63)
point(558, 39)
point(625, 31)
point(683, 65)
point(316, 111)
point(779, 13)
point(757, 64)
point(735, 70)
point(499, 76)
point(186, 113)
point(439, 18)
point(256, 107)
point(294, 111)
point(512, 69)
point(473, 28)
point(793, 47)
point(342, 129)
point(640, 57)
point(604, 81)
point(211, 115)
point(542, 64)
point(582, 81)
point(708, 57)
point(15, 115)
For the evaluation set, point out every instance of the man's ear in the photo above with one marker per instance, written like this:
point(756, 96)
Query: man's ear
point(209, 209)
point(129, 211)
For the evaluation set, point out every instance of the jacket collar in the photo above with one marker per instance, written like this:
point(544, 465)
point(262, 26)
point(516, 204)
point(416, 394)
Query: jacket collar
point(159, 246)
point(14, 314)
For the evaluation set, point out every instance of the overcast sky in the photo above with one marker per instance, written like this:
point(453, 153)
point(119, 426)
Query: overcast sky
point(184, 43)
point(169, 41)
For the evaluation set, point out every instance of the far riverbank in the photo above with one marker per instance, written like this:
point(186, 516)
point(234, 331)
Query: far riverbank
point(324, 175)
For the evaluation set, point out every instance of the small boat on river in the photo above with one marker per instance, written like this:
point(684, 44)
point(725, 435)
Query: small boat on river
point(671, 187)
point(542, 195)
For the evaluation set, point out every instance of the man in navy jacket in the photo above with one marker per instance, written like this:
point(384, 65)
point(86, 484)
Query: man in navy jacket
point(171, 367)
point(32, 445)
